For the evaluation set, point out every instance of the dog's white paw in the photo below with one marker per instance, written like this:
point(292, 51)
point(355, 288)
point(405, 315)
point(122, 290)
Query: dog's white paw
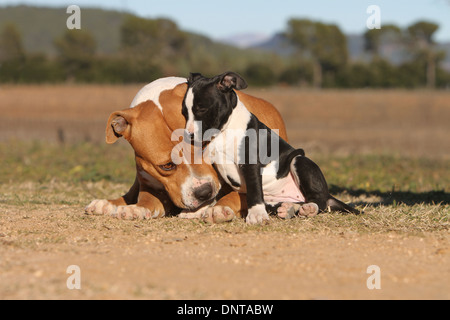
point(134, 212)
point(290, 210)
point(257, 214)
point(218, 214)
point(192, 214)
point(215, 214)
point(100, 207)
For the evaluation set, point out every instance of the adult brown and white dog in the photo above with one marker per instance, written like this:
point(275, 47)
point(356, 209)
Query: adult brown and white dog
point(162, 187)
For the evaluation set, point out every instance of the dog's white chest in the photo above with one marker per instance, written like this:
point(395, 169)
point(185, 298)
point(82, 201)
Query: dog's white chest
point(232, 176)
point(227, 151)
point(223, 153)
point(275, 190)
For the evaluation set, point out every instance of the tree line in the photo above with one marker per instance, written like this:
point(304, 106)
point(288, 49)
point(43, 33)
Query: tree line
point(152, 48)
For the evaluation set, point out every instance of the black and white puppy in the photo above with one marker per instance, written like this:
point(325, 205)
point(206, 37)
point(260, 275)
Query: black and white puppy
point(237, 138)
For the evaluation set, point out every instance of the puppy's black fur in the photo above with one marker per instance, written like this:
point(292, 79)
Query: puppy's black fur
point(213, 103)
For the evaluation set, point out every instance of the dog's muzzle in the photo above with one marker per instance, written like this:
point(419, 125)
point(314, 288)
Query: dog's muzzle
point(204, 192)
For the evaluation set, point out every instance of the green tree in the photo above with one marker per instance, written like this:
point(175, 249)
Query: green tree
point(76, 50)
point(296, 74)
point(260, 74)
point(159, 39)
point(375, 38)
point(420, 36)
point(325, 45)
point(11, 47)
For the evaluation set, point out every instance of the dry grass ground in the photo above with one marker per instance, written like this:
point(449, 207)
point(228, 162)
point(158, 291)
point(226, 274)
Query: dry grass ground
point(413, 123)
point(384, 151)
point(324, 258)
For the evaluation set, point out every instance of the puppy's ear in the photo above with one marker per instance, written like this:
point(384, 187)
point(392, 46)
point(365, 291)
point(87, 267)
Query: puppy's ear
point(231, 80)
point(193, 77)
point(119, 124)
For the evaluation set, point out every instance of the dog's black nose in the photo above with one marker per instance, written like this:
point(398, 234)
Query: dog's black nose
point(204, 192)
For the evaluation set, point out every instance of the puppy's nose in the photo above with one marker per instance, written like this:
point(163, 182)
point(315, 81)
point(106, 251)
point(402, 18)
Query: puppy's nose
point(204, 192)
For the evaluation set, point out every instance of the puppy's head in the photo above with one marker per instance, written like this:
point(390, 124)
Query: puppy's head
point(209, 102)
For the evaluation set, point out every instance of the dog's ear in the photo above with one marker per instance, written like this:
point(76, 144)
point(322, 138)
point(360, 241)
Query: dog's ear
point(119, 124)
point(193, 77)
point(231, 80)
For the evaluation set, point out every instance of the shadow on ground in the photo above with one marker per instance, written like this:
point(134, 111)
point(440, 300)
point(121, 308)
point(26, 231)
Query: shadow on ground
point(396, 197)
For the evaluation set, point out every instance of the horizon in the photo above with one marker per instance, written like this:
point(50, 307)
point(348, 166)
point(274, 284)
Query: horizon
point(205, 19)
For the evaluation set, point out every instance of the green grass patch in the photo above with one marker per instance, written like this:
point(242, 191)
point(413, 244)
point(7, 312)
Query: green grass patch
point(400, 194)
point(385, 173)
point(42, 162)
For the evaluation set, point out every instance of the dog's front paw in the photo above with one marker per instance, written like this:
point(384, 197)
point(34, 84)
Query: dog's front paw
point(218, 214)
point(185, 214)
point(134, 212)
point(100, 207)
point(257, 215)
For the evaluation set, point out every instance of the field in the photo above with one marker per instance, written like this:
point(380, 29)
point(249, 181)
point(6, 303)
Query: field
point(386, 152)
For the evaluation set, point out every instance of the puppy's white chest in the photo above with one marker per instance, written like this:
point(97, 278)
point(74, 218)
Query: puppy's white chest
point(224, 154)
point(232, 176)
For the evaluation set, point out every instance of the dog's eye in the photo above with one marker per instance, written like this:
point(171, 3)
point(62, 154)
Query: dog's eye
point(200, 109)
point(168, 166)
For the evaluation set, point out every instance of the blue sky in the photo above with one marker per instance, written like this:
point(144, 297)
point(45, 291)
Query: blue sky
point(220, 19)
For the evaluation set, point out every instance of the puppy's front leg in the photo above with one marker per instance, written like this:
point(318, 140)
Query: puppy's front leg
point(255, 197)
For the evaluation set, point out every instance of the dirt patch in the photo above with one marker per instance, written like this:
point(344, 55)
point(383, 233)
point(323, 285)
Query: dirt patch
point(179, 259)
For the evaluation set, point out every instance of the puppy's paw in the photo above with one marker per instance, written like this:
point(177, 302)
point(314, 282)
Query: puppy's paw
point(100, 207)
point(257, 215)
point(134, 212)
point(289, 210)
point(218, 214)
point(309, 210)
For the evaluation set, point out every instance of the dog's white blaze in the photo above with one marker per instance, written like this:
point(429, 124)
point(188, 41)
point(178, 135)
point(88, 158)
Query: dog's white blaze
point(239, 119)
point(231, 137)
point(153, 90)
point(224, 148)
point(187, 194)
point(190, 184)
point(187, 191)
point(189, 102)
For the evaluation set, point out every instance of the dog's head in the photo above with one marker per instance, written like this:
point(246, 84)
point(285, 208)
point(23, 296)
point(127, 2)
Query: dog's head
point(149, 132)
point(209, 102)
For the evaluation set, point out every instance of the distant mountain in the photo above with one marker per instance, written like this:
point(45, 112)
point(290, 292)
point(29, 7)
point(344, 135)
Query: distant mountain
point(277, 44)
point(245, 40)
point(39, 26)
point(355, 43)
